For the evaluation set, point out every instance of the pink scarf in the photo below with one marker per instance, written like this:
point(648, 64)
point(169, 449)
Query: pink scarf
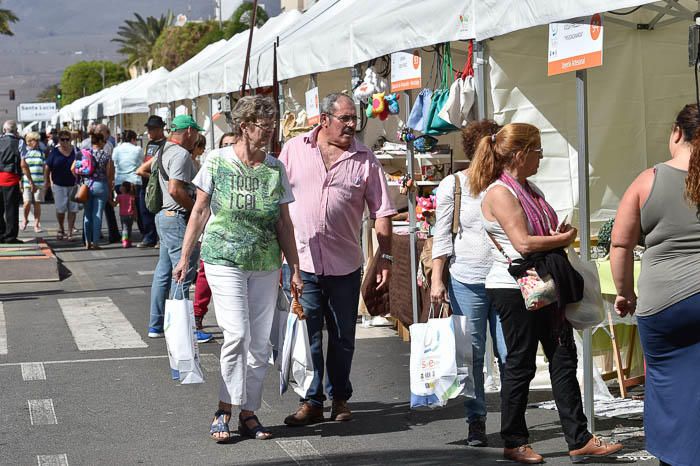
point(540, 215)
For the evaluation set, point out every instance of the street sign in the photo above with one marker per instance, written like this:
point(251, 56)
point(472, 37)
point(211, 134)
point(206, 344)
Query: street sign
point(41, 111)
point(313, 111)
point(574, 45)
point(405, 71)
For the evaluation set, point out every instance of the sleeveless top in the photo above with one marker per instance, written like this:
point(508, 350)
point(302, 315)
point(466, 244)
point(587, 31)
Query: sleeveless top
point(672, 258)
point(498, 276)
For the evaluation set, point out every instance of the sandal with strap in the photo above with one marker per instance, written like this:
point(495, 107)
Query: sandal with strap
point(220, 427)
point(259, 432)
point(60, 235)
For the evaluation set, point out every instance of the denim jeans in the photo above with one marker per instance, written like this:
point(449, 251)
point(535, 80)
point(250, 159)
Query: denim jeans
point(470, 300)
point(336, 299)
point(147, 219)
point(92, 216)
point(172, 232)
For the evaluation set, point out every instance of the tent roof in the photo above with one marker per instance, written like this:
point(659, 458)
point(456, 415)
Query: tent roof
point(498, 17)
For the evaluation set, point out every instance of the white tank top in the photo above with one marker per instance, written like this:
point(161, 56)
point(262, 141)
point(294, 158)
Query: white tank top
point(498, 276)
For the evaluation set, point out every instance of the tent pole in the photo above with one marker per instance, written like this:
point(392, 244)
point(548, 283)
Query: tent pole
point(212, 141)
point(412, 229)
point(250, 43)
point(480, 72)
point(584, 232)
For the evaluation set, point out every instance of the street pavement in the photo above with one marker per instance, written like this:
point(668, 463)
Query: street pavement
point(89, 388)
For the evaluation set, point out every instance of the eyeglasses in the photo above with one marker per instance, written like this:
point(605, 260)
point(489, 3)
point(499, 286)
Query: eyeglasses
point(64, 139)
point(539, 150)
point(345, 119)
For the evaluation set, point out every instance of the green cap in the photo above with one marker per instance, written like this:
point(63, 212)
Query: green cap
point(181, 122)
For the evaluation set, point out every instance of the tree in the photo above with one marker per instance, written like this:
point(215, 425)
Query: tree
point(50, 94)
point(240, 19)
point(7, 17)
point(177, 44)
point(137, 38)
point(85, 78)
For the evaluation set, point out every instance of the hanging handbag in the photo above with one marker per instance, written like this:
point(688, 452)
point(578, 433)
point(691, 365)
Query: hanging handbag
point(419, 112)
point(435, 124)
point(457, 108)
point(537, 291)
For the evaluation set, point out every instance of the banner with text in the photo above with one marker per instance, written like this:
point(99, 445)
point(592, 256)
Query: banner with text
point(40, 111)
point(313, 112)
point(576, 44)
point(405, 71)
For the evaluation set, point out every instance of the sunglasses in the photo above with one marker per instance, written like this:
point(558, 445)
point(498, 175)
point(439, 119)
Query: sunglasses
point(64, 139)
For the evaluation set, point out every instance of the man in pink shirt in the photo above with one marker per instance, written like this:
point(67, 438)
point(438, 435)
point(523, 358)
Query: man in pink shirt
point(333, 176)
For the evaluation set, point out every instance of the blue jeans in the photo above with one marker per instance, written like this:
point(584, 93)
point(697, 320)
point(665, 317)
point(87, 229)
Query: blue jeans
point(148, 221)
point(172, 232)
point(92, 216)
point(336, 299)
point(470, 300)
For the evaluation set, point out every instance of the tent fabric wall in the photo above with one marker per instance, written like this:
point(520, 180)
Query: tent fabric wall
point(498, 17)
point(633, 99)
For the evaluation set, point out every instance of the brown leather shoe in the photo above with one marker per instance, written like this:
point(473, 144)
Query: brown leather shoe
point(595, 448)
point(340, 411)
point(305, 415)
point(522, 454)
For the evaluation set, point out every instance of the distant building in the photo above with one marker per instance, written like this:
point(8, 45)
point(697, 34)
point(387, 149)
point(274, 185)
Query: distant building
point(301, 5)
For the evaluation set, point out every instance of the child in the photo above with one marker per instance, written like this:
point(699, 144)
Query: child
point(126, 201)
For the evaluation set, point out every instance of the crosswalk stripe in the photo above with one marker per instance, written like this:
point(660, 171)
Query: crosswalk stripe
point(97, 324)
point(52, 460)
point(41, 412)
point(33, 371)
point(145, 272)
point(302, 452)
point(3, 331)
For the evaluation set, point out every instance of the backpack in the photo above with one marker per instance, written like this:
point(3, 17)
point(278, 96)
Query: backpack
point(84, 166)
point(154, 193)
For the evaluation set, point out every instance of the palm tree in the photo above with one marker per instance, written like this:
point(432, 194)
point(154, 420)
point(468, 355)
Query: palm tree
point(7, 17)
point(138, 36)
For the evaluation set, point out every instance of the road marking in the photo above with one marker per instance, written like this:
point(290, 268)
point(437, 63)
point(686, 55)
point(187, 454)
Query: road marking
point(41, 412)
point(71, 361)
point(97, 324)
point(136, 292)
point(302, 452)
point(52, 460)
point(33, 371)
point(210, 362)
point(146, 272)
point(3, 331)
point(99, 254)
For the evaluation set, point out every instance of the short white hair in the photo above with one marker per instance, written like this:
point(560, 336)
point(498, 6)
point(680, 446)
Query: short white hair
point(10, 126)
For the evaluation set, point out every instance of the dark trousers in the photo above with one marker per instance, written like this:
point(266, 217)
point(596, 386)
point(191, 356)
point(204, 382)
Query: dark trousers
point(147, 225)
point(10, 198)
point(334, 299)
point(523, 330)
point(112, 226)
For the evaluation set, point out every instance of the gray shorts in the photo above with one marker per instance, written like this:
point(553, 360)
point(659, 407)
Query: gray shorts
point(29, 197)
point(61, 198)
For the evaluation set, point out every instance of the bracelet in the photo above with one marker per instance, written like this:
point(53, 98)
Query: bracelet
point(388, 257)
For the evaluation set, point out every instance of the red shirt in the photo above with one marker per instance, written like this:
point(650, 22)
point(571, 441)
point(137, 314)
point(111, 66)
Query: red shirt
point(9, 179)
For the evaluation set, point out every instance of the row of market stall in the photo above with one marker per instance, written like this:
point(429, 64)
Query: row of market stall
point(610, 124)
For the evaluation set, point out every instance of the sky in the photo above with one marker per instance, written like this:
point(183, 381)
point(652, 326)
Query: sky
point(52, 35)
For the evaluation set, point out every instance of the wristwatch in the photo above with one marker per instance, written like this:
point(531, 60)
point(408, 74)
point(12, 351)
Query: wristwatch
point(388, 257)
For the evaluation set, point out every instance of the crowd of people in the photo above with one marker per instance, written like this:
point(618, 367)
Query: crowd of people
point(234, 223)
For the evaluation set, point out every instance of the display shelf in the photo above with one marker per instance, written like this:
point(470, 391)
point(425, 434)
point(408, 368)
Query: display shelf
point(418, 183)
point(435, 156)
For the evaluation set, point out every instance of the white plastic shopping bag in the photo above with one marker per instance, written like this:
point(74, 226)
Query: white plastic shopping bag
point(296, 365)
point(588, 312)
point(433, 364)
point(279, 324)
point(180, 339)
point(464, 354)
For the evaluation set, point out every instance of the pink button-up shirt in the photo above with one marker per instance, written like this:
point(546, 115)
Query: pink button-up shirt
point(327, 214)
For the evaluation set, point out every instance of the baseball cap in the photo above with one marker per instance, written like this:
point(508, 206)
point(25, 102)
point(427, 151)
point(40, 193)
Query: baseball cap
point(181, 122)
point(154, 121)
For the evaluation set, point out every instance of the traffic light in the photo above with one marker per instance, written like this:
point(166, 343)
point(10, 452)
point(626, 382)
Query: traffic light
point(59, 95)
point(11, 93)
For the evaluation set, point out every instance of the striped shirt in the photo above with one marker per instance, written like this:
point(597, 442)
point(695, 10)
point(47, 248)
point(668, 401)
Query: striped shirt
point(327, 214)
point(36, 161)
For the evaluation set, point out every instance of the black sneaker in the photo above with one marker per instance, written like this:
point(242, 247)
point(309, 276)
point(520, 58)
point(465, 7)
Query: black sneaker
point(477, 434)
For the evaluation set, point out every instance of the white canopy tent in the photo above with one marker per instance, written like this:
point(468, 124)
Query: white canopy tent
point(132, 98)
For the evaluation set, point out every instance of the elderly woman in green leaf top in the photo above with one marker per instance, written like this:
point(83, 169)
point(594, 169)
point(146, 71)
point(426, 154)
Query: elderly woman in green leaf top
point(242, 199)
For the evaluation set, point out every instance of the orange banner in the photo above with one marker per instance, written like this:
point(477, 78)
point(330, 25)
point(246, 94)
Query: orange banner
point(580, 62)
